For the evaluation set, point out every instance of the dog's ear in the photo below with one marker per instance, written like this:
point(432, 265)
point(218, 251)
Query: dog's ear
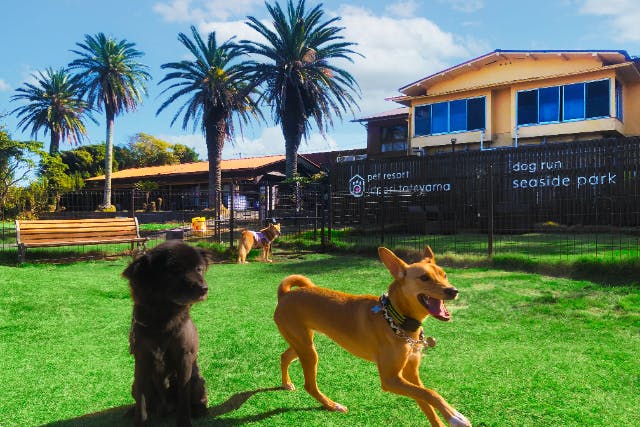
point(428, 254)
point(137, 266)
point(395, 265)
point(207, 255)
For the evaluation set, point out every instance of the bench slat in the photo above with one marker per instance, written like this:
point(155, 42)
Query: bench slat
point(87, 230)
point(80, 242)
point(51, 233)
point(74, 222)
point(76, 236)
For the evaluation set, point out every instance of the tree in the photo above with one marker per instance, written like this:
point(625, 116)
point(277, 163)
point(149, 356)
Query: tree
point(86, 161)
point(53, 104)
point(299, 81)
point(148, 150)
point(54, 175)
point(219, 90)
point(16, 163)
point(185, 154)
point(113, 81)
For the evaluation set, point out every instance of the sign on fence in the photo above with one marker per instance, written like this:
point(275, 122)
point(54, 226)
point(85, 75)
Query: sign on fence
point(577, 183)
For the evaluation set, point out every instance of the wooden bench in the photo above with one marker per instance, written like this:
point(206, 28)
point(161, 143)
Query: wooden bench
point(73, 232)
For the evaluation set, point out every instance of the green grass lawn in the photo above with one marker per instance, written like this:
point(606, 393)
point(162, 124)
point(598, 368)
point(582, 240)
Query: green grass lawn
point(521, 350)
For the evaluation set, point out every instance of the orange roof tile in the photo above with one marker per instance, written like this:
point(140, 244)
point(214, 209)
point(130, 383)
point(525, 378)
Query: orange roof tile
point(188, 168)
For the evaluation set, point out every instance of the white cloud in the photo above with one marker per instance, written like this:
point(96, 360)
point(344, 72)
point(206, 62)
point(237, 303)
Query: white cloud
point(397, 52)
point(402, 9)
point(269, 142)
point(198, 11)
point(226, 30)
point(195, 141)
point(4, 86)
point(623, 17)
point(467, 6)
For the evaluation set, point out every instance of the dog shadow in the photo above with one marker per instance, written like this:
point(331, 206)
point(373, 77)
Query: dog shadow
point(121, 416)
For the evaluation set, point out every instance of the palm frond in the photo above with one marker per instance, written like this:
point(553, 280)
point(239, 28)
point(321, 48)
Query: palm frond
point(54, 105)
point(297, 71)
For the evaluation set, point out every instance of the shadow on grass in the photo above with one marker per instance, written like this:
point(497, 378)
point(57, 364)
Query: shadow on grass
point(317, 266)
point(122, 415)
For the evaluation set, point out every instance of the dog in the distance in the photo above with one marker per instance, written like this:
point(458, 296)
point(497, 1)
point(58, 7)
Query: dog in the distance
point(384, 330)
point(165, 282)
point(259, 239)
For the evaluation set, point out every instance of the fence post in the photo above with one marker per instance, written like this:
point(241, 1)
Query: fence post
point(382, 217)
point(231, 213)
point(490, 213)
point(133, 202)
point(330, 211)
point(323, 211)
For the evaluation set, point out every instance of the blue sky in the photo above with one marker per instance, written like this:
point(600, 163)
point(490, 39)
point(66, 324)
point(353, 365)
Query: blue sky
point(401, 42)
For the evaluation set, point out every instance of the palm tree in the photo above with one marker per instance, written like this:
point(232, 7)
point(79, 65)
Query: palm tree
point(53, 104)
point(299, 81)
point(113, 81)
point(219, 89)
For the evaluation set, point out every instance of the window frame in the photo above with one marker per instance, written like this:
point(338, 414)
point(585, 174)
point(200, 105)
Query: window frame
point(562, 103)
point(619, 100)
point(388, 143)
point(429, 121)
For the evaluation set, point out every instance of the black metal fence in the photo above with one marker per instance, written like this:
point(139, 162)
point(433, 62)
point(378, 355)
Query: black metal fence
point(569, 199)
point(557, 200)
point(164, 214)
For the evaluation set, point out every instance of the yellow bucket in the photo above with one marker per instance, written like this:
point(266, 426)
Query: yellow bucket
point(199, 224)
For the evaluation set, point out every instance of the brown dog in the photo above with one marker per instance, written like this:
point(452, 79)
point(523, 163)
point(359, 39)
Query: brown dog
point(383, 330)
point(165, 283)
point(259, 239)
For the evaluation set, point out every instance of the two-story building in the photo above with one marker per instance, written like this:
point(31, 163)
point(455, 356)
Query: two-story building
point(513, 97)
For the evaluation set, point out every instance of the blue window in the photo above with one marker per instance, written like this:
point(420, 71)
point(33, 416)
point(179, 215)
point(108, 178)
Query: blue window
point(452, 116)
point(576, 101)
point(422, 121)
point(475, 114)
point(573, 101)
point(527, 107)
point(439, 117)
point(597, 99)
point(458, 115)
point(619, 103)
point(549, 104)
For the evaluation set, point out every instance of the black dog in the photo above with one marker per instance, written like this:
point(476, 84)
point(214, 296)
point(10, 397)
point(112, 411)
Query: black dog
point(165, 283)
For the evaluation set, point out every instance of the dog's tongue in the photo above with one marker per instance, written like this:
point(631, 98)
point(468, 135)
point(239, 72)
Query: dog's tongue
point(437, 309)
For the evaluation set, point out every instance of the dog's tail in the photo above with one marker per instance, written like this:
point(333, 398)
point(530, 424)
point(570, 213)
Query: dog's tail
point(295, 280)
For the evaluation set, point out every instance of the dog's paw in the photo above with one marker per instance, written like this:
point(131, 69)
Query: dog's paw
point(288, 386)
point(459, 420)
point(340, 408)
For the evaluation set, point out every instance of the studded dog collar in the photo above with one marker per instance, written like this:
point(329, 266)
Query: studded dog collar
point(400, 323)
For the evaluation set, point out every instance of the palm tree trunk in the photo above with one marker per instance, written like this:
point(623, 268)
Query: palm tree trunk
point(215, 137)
point(108, 160)
point(54, 147)
point(291, 150)
point(292, 129)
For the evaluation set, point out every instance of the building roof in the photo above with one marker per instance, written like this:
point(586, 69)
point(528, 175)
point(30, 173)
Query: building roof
point(608, 57)
point(327, 159)
point(232, 165)
point(397, 112)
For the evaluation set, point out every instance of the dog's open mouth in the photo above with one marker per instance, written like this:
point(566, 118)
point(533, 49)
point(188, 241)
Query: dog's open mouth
point(435, 306)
